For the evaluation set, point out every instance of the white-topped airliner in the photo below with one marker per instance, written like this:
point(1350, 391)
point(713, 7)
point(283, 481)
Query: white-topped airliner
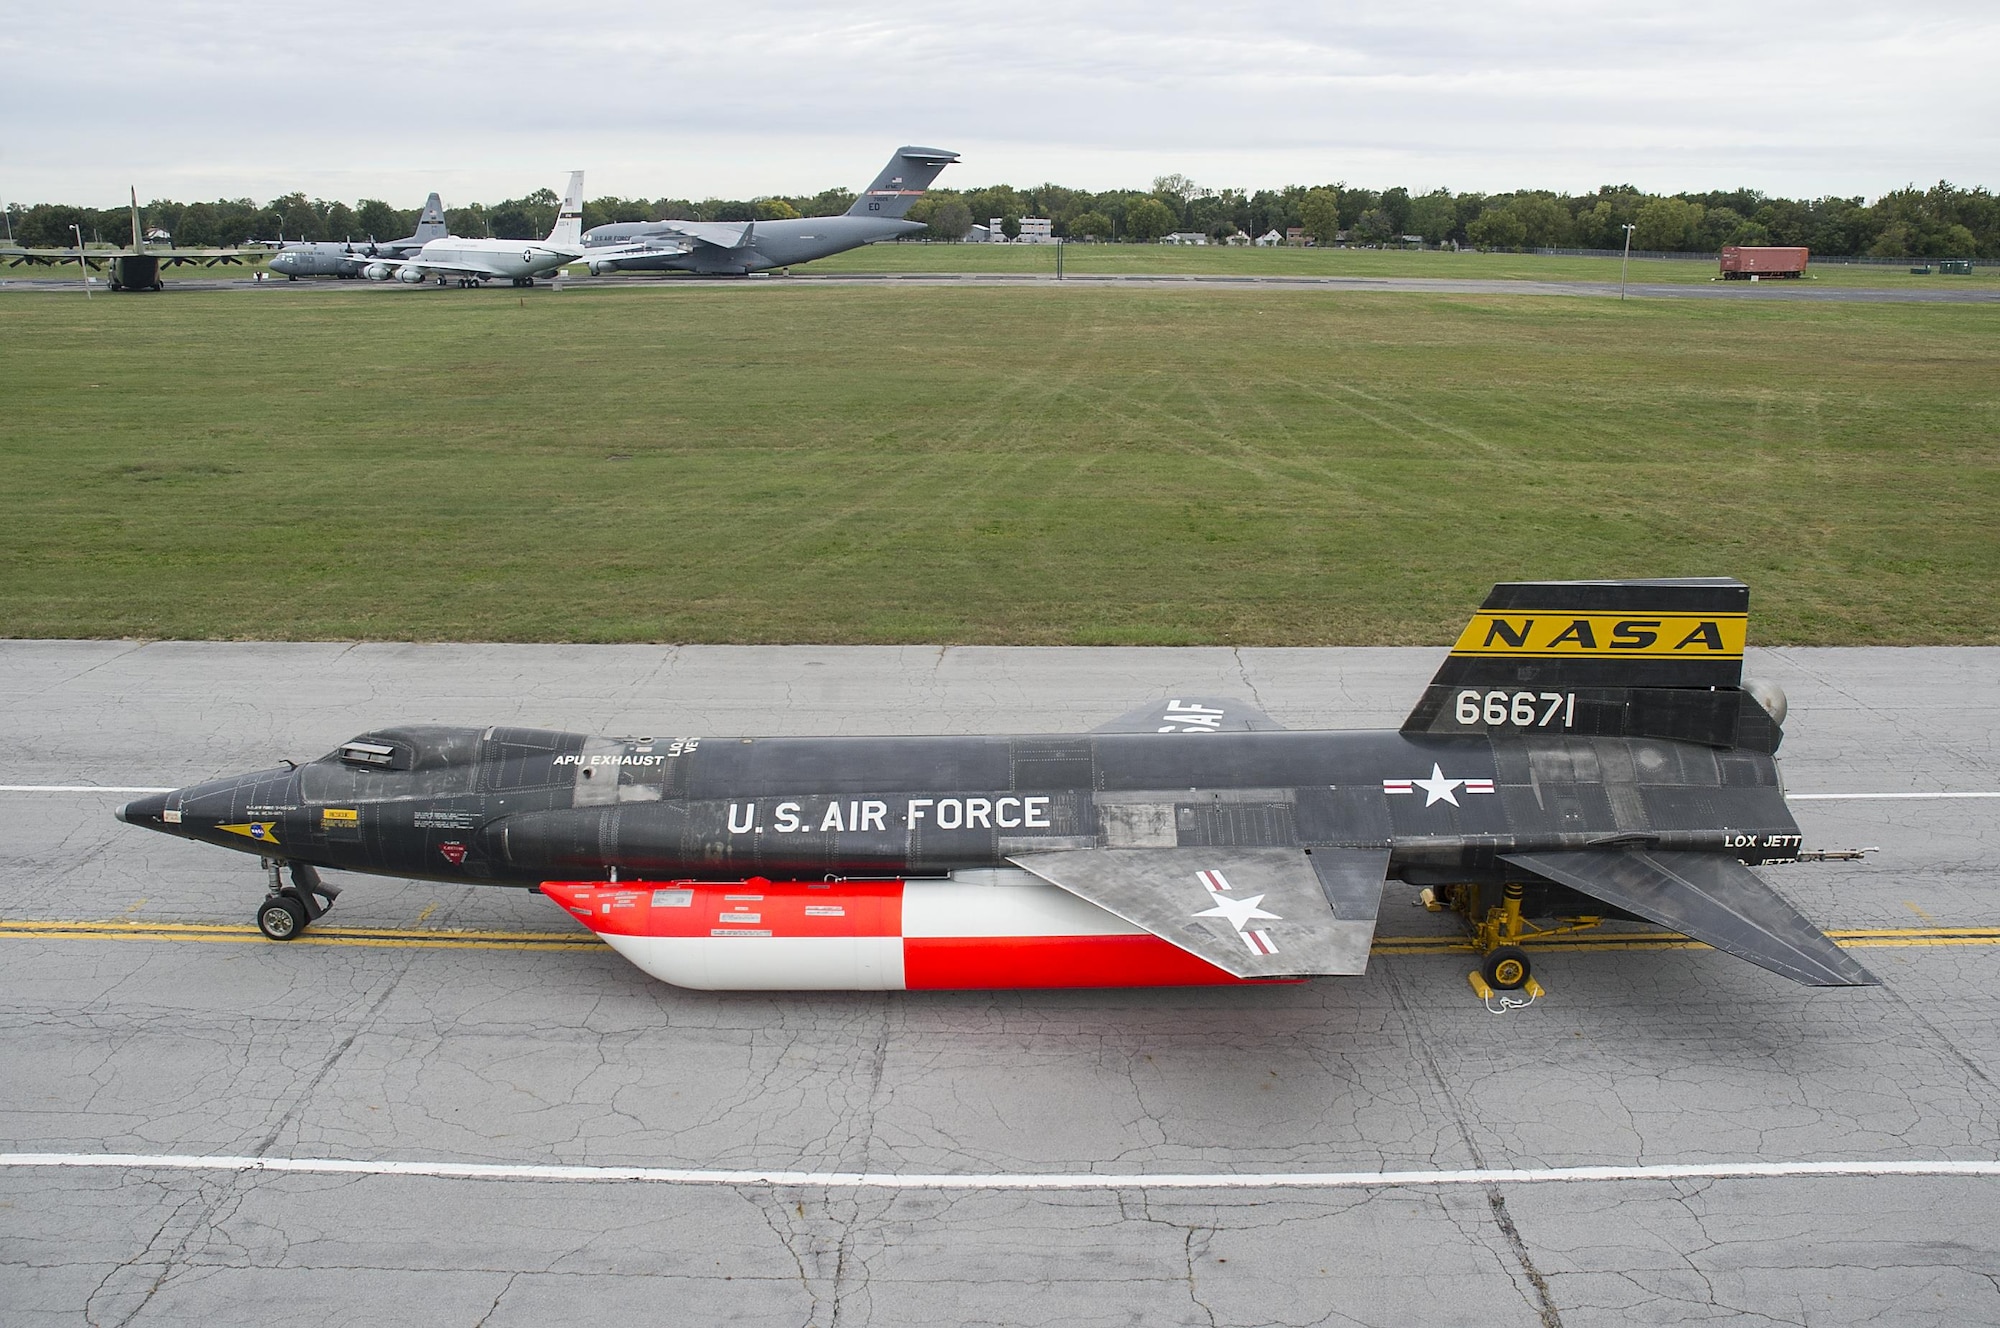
point(472, 261)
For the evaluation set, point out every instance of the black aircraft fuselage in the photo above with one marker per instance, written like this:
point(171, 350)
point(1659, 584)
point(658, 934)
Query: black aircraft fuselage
point(514, 806)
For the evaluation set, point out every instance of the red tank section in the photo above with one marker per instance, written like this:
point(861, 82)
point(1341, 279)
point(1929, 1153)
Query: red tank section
point(875, 935)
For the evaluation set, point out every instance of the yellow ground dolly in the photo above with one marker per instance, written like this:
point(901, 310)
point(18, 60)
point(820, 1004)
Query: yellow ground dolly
point(1500, 935)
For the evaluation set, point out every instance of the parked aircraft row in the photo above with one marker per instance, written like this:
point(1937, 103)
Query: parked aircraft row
point(431, 252)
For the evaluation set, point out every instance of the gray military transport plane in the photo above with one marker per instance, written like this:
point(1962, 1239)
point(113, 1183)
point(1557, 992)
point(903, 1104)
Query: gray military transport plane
point(134, 269)
point(738, 248)
point(374, 259)
point(1588, 750)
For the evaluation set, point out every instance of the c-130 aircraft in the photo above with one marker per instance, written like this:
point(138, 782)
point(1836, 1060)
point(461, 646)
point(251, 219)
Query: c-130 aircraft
point(1587, 750)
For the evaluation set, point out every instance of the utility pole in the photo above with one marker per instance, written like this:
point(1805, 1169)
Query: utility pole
point(1059, 252)
point(1627, 262)
point(81, 266)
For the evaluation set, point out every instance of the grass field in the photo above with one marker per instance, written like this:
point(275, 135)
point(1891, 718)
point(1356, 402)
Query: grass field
point(778, 462)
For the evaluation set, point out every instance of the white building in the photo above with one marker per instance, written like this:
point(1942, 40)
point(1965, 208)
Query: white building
point(1186, 237)
point(1034, 230)
point(1271, 239)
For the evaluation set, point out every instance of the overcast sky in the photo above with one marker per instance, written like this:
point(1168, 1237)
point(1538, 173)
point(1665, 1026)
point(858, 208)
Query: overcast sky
point(196, 99)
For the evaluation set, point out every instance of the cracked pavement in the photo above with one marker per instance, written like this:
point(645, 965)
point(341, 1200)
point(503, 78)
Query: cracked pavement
point(173, 1047)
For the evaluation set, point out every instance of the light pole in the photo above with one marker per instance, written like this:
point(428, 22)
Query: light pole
point(81, 266)
point(1627, 261)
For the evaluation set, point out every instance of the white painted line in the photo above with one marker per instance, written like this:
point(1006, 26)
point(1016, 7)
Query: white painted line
point(76, 788)
point(1855, 797)
point(867, 1180)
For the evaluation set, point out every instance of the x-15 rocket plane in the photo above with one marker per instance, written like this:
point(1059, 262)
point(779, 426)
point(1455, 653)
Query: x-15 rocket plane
point(1588, 750)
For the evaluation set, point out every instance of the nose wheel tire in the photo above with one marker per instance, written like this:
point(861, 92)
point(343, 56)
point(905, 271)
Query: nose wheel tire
point(1506, 969)
point(281, 917)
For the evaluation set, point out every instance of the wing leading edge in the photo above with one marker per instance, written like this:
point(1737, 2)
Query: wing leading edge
point(1714, 899)
point(1252, 912)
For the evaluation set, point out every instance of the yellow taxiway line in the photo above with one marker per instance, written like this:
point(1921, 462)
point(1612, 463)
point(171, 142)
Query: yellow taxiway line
point(1864, 938)
point(435, 939)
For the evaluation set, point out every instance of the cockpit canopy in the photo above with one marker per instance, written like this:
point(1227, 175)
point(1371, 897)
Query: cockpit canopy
point(440, 760)
point(416, 760)
point(412, 747)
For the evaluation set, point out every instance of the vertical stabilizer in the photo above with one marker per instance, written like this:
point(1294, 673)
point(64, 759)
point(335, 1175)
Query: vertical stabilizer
point(902, 182)
point(569, 221)
point(430, 226)
point(138, 236)
point(1654, 659)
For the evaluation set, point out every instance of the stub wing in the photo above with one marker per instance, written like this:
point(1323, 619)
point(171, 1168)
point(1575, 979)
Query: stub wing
point(1192, 714)
point(1252, 912)
point(1714, 899)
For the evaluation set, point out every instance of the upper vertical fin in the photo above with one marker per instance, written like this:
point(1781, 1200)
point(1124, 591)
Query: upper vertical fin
point(902, 182)
point(1659, 659)
point(569, 221)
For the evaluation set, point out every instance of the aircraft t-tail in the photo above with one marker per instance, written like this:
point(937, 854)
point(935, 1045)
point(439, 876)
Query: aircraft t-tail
point(1588, 749)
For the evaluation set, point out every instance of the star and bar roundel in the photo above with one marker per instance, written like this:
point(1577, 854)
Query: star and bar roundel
point(1439, 787)
point(1239, 911)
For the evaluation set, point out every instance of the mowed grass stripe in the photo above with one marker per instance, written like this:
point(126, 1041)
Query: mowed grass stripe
point(771, 463)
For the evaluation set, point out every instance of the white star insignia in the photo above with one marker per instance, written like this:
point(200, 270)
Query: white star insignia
point(1238, 911)
point(1437, 788)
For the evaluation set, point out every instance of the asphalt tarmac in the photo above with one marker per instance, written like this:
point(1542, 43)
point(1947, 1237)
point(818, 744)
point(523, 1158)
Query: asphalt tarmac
point(1717, 290)
point(457, 1108)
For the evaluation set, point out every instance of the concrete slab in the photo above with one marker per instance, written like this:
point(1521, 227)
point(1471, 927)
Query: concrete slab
point(386, 1052)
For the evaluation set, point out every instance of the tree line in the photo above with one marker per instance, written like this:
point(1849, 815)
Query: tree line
point(1943, 221)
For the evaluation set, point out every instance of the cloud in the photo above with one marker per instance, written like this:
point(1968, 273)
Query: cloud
point(391, 100)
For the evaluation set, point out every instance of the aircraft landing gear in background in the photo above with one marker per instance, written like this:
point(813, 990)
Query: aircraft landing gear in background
point(290, 909)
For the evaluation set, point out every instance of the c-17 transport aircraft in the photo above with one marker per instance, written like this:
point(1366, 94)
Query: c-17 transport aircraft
point(376, 258)
point(738, 248)
point(1587, 750)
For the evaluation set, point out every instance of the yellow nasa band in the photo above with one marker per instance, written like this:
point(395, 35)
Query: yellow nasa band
point(264, 832)
point(1604, 635)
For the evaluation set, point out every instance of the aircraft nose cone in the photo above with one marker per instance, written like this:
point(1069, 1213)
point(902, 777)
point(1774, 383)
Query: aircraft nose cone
point(143, 811)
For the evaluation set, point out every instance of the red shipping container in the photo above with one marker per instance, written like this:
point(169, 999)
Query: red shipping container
point(1741, 261)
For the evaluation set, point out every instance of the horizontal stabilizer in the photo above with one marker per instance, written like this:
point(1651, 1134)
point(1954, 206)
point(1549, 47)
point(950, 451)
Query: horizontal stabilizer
point(1713, 898)
point(1252, 912)
point(1192, 714)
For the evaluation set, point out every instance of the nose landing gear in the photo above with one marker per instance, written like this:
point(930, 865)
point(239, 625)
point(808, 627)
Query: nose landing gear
point(289, 909)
